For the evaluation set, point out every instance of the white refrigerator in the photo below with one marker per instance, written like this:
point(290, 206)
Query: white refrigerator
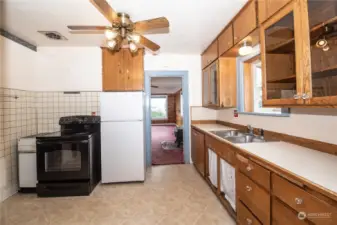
point(122, 137)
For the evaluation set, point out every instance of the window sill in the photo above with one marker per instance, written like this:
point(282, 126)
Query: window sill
point(265, 114)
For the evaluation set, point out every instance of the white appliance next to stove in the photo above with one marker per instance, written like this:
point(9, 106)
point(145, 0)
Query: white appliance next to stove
point(122, 137)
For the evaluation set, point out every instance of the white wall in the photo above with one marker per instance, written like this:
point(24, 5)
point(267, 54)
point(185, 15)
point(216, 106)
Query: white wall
point(18, 65)
point(317, 124)
point(201, 113)
point(191, 63)
point(69, 69)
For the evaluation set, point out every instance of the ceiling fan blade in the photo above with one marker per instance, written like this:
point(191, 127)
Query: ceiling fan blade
point(92, 28)
point(145, 25)
point(86, 31)
point(154, 86)
point(148, 44)
point(104, 7)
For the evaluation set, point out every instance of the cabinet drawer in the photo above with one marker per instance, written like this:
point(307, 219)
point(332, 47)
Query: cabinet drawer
point(225, 40)
point(254, 171)
point(302, 201)
point(282, 215)
point(244, 216)
point(254, 197)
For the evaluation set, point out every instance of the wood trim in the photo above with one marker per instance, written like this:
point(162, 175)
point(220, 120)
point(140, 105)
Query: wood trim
point(304, 142)
point(248, 80)
point(203, 122)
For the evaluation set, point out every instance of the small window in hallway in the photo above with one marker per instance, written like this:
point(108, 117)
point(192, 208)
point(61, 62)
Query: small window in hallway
point(159, 107)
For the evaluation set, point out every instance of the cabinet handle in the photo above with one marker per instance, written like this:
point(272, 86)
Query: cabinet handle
point(298, 201)
point(305, 96)
point(249, 221)
point(249, 188)
point(249, 168)
point(297, 97)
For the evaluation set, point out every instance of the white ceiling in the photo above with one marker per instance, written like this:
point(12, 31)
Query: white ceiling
point(166, 85)
point(193, 23)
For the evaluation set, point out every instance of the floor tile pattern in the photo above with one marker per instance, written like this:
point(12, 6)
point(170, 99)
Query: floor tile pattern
point(171, 195)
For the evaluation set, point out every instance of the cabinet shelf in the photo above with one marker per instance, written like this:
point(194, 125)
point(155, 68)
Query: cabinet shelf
point(285, 46)
point(328, 72)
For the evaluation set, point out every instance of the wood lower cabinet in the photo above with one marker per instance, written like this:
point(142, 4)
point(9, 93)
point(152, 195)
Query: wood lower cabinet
point(254, 197)
point(123, 70)
point(245, 217)
point(198, 151)
point(281, 214)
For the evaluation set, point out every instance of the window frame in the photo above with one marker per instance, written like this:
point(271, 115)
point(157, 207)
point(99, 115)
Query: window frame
point(285, 112)
point(160, 96)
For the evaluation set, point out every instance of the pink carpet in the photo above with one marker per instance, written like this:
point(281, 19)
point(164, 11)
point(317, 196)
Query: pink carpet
point(161, 156)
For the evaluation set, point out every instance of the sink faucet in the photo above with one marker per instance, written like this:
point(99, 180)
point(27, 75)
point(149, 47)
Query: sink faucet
point(250, 129)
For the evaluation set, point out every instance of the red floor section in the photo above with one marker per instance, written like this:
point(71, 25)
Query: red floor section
point(161, 156)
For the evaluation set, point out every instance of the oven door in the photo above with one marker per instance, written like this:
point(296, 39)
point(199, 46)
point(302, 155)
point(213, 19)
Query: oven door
point(59, 160)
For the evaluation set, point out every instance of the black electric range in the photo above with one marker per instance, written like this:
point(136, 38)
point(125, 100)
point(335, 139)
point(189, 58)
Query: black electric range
point(68, 162)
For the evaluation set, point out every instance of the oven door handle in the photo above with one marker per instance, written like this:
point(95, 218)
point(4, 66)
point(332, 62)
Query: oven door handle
point(61, 142)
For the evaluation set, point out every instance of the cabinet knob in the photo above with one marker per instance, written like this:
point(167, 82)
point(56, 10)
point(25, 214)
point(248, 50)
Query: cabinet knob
point(249, 168)
point(249, 188)
point(297, 96)
point(298, 201)
point(305, 96)
point(249, 221)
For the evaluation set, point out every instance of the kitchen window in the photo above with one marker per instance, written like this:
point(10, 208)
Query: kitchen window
point(159, 107)
point(250, 87)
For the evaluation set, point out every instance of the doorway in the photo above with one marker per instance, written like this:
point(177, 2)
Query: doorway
point(167, 117)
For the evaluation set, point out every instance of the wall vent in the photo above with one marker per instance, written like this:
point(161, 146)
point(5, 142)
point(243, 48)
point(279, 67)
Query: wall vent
point(54, 35)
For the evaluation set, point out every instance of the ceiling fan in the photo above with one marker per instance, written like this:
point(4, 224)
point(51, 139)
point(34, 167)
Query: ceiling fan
point(154, 86)
point(122, 30)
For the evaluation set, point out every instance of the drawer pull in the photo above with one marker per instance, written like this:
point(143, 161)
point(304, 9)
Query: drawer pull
point(298, 201)
point(249, 188)
point(248, 168)
point(249, 221)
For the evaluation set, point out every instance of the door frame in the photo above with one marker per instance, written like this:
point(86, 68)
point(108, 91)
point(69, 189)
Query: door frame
point(186, 117)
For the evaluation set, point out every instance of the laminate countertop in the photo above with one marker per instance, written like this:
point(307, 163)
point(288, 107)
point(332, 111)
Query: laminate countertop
point(316, 167)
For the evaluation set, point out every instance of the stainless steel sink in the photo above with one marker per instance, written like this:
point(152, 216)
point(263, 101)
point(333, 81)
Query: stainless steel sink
point(245, 139)
point(228, 133)
point(235, 136)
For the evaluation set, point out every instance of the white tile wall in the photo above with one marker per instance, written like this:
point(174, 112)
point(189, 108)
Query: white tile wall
point(31, 113)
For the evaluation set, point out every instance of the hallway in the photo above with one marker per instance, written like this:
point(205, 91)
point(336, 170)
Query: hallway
point(161, 156)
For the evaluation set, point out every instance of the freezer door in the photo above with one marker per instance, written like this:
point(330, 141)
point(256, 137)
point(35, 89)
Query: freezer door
point(123, 152)
point(121, 106)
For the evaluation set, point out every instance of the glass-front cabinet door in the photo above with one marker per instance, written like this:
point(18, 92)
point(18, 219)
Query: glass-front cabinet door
point(214, 84)
point(205, 87)
point(280, 54)
point(321, 74)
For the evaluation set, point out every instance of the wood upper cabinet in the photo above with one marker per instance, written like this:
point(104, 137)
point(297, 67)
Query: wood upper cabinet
point(225, 40)
point(267, 8)
point(298, 53)
point(198, 151)
point(245, 22)
point(281, 52)
point(210, 54)
point(219, 84)
point(122, 70)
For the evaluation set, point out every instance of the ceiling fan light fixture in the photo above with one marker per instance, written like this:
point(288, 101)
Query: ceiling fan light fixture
point(245, 49)
point(110, 34)
point(133, 47)
point(135, 38)
point(112, 44)
point(321, 43)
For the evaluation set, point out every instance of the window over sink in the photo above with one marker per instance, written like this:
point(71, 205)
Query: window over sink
point(250, 87)
point(159, 107)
